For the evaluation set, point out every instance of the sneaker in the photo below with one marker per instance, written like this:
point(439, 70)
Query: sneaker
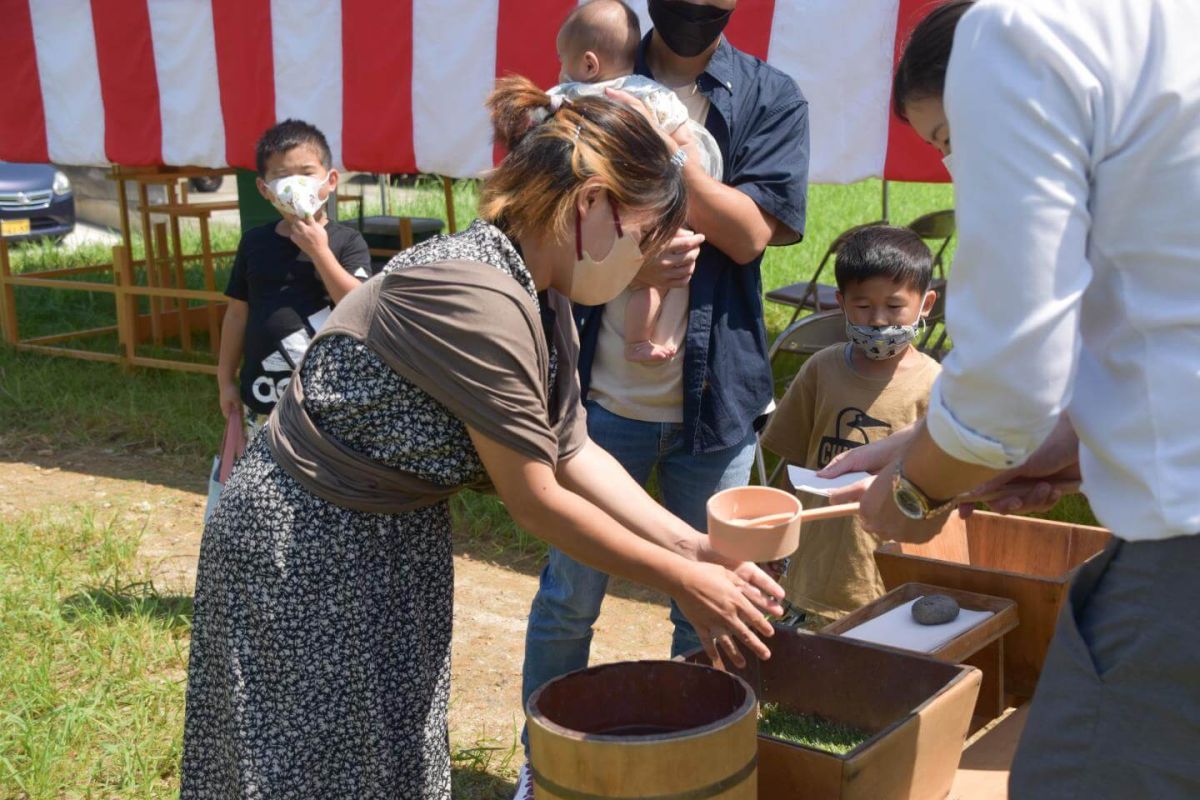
point(524, 784)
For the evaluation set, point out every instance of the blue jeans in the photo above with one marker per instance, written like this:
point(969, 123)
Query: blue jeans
point(567, 604)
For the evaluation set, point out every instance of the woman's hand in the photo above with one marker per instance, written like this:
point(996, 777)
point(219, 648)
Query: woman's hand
point(673, 268)
point(759, 587)
point(679, 139)
point(715, 601)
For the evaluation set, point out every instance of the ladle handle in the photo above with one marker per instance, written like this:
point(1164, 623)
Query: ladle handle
point(829, 512)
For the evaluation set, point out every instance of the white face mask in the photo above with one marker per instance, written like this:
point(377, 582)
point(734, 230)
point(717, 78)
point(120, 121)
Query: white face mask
point(881, 342)
point(298, 195)
point(594, 283)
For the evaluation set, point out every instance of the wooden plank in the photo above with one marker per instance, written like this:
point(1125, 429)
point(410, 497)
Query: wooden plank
point(8, 298)
point(53, 283)
point(179, 305)
point(210, 283)
point(189, 294)
point(69, 271)
point(123, 208)
point(448, 193)
point(182, 366)
point(85, 355)
point(126, 305)
point(64, 337)
point(197, 210)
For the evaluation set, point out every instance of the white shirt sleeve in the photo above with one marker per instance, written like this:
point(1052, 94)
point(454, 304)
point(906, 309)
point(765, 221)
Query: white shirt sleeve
point(1019, 110)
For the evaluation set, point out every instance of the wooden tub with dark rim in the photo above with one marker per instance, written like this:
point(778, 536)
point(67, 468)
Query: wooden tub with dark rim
point(663, 729)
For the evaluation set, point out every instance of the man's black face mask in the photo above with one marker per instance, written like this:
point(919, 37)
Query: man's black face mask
point(686, 28)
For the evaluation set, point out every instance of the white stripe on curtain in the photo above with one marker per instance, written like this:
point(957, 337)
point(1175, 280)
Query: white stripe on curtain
point(840, 54)
point(306, 39)
point(189, 98)
point(70, 78)
point(454, 69)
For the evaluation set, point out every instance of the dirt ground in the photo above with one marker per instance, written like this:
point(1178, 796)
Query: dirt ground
point(493, 588)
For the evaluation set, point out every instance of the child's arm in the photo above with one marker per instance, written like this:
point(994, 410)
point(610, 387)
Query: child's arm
point(311, 237)
point(233, 338)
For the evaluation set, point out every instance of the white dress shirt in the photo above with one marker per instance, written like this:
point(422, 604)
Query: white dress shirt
point(1075, 127)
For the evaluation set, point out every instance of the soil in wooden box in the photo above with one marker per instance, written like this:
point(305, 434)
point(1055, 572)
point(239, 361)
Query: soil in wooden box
point(809, 730)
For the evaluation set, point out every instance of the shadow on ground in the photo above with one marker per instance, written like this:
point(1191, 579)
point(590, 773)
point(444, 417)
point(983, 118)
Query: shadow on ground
point(130, 600)
point(470, 783)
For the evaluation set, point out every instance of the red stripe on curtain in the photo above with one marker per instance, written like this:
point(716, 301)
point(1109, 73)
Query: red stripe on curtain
point(377, 74)
point(749, 28)
point(910, 158)
point(245, 75)
point(128, 82)
point(525, 41)
point(22, 117)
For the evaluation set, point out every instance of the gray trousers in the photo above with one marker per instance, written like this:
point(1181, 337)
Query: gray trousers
point(1117, 710)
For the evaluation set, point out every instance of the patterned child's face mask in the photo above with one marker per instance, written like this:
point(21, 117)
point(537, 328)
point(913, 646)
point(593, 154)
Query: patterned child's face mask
point(298, 195)
point(881, 342)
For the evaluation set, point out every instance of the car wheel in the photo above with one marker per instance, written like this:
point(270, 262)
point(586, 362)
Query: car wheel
point(209, 183)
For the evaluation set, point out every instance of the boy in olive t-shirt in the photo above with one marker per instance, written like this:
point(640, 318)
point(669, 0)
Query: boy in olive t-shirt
point(848, 395)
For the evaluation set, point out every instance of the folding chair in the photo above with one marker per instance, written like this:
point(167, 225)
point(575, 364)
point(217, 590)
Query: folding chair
point(802, 338)
point(935, 324)
point(814, 295)
point(936, 226)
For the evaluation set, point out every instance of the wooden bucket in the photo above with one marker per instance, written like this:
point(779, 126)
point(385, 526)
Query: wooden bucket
point(662, 729)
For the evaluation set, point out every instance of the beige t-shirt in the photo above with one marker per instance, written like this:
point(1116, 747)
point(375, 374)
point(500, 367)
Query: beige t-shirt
point(828, 409)
point(649, 392)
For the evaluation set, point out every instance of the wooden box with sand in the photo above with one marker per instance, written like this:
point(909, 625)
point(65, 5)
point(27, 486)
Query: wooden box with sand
point(901, 717)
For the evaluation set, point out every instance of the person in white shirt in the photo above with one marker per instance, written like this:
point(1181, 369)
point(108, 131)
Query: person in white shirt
point(1075, 313)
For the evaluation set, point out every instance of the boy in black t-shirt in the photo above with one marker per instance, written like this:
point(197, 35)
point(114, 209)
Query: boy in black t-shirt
point(288, 274)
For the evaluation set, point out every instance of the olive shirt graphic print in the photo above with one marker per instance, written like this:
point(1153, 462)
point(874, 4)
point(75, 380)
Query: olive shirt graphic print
point(853, 429)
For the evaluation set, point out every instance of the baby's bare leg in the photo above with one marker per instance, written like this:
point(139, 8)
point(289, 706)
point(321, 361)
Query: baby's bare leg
point(641, 317)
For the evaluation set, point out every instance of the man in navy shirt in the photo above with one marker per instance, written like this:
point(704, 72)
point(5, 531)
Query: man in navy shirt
point(690, 418)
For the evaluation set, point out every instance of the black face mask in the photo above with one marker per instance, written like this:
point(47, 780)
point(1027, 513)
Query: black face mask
point(686, 28)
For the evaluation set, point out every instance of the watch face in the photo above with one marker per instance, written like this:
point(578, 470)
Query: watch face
point(909, 504)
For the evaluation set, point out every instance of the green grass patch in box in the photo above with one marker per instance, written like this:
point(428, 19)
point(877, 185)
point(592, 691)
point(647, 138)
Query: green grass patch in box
point(809, 730)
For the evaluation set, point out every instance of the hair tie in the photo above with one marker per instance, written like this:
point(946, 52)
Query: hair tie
point(679, 158)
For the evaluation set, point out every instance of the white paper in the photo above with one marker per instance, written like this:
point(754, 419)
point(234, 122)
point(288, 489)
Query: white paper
point(897, 628)
point(806, 480)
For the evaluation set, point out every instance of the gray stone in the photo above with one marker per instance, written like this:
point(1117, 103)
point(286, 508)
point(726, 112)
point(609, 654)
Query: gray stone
point(935, 609)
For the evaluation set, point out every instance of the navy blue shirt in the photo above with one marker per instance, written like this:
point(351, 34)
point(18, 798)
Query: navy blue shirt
point(759, 118)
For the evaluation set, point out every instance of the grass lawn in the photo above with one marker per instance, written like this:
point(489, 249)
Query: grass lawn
point(92, 658)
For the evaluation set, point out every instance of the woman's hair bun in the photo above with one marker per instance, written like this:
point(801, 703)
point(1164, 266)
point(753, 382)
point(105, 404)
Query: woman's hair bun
point(514, 105)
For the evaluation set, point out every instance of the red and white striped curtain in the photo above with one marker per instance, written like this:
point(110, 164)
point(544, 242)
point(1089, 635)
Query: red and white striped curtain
point(396, 85)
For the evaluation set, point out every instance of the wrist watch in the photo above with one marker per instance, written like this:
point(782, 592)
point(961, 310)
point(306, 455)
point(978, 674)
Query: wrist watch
point(914, 503)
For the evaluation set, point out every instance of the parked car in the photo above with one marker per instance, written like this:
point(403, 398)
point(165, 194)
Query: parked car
point(35, 201)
